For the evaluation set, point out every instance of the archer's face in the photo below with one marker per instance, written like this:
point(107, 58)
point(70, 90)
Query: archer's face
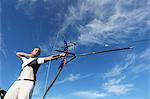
point(35, 52)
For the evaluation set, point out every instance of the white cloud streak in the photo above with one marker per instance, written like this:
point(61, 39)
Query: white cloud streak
point(131, 64)
point(108, 19)
point(73, 77)
point(24, 2)
point(115, 81)
point(120, 68)
point(118, 89)
point(114, 86)
point(27, 6)
point(2, 44)
point(90, 94)
point(101, 21)
point(145, 54)
point(144, 65)
point(1, 39)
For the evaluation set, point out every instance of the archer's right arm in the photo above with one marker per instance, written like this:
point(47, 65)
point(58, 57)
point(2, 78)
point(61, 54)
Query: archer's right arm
point(22, 54)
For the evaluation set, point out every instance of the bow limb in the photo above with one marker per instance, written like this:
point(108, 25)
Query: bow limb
point(49, 87)
point(64, 61)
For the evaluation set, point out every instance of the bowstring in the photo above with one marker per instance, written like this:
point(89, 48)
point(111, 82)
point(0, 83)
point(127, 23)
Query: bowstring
point(50, 62)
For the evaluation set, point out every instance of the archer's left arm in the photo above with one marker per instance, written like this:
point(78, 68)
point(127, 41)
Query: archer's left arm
point(53, 57)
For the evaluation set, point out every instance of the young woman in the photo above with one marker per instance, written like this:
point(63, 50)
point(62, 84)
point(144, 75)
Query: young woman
point(22, 88)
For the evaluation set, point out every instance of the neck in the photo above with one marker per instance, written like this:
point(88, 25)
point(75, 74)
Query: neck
point(33, 56)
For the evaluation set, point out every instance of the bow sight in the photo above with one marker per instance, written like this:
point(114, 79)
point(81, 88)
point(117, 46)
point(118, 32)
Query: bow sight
point(67, 45)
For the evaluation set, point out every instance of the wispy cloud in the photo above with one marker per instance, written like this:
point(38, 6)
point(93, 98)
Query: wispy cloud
point(119, 89)
point(2, 51)
point(27, 6)
point(74, 77)
point(134, 64)
point(90, 94)
point(145, 54)
point(100, 21)
point(2, 44)
point(144, 64)
point(118, 69)
point(143, 67)
point(114, 86)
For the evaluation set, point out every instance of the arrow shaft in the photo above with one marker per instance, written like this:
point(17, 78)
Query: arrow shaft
point(106, 51)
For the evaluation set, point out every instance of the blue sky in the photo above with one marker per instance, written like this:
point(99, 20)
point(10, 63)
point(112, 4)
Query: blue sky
point(92, 24)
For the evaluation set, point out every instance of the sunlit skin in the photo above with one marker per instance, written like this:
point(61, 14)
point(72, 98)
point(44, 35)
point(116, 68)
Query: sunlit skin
point(36, 51)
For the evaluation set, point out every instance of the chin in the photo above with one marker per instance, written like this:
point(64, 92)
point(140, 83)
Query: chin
point(36, 55)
